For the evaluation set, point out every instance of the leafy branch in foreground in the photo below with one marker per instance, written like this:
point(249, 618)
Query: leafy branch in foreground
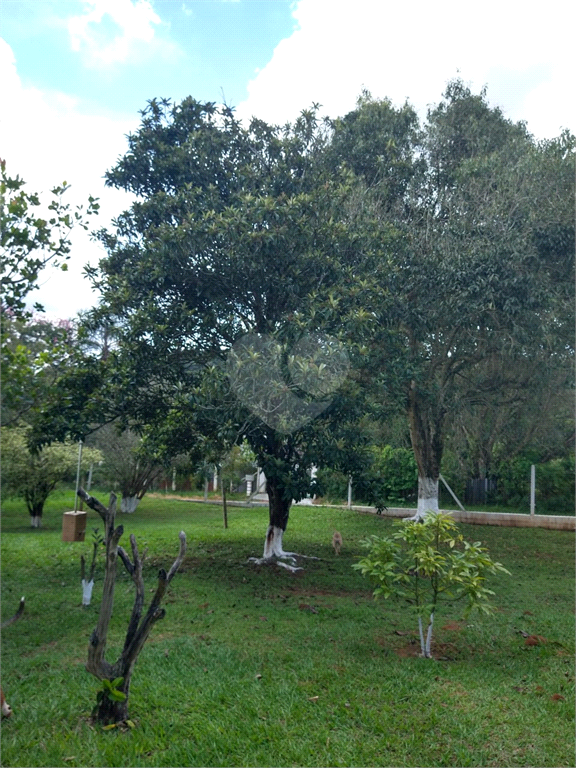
point(29, 242)
point(425, 562)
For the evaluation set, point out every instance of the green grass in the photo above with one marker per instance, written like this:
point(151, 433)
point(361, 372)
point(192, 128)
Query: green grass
point(231, 675)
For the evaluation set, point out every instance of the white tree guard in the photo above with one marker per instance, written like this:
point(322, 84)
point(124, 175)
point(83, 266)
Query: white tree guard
point(87, 591)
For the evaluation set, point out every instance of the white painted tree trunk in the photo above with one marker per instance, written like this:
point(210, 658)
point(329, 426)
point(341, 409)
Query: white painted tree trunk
point(35, 521)
point(87, 591)
point(429, 637)
point(427, 497)
point(129, 504)
point(426, 644)
point(422, 641)
point(273, 543)
point(274, 553)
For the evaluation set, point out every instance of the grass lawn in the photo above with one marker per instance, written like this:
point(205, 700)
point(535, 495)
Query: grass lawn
point(259, 667)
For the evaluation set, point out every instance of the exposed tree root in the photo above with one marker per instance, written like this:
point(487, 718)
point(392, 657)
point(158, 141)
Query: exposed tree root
point(277, 560)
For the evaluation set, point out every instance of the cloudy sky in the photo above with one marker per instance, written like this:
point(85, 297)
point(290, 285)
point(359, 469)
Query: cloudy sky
point(75, 73)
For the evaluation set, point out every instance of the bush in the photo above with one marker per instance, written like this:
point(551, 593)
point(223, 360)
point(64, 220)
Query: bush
point(332, 485)
point(554, 483)
point(399, 472)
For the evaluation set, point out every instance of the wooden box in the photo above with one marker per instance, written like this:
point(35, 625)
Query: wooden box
point(73, 526)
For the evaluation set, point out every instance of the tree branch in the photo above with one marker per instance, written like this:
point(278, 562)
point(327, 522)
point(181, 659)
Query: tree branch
point(139, 599)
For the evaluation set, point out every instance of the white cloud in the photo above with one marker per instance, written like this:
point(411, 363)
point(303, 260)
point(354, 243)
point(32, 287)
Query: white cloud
point(115, 31)
point(46, 139)
point(410, 52)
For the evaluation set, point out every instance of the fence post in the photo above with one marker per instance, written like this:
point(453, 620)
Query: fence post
point(532, 489)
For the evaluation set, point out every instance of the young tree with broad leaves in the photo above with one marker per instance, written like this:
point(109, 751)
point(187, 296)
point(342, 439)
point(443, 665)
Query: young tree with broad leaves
point(427, 562)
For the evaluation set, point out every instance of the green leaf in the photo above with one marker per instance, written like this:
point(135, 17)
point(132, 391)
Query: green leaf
point(117, 696)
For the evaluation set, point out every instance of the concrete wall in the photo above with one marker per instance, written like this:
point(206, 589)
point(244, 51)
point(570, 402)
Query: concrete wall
point(555, 522)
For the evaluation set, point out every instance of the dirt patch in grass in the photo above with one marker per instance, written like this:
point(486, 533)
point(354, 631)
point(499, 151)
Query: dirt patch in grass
point(410, 649)
point(453, 626)
point(304, 592)
point(160, 637)
point(41, 649)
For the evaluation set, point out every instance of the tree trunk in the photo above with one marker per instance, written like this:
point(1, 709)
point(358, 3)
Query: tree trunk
point(279, 510)
point(35, 508)
point(110, 711)
point(427, 495)
point(426, 422)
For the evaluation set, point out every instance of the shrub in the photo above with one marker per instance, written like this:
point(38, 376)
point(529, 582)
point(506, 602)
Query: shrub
point(554, 483)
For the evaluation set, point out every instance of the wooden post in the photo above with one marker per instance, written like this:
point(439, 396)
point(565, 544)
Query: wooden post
point(78, 475)
point(532, 489)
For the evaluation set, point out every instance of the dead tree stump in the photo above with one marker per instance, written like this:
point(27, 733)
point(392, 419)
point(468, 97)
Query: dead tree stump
point(112, 705)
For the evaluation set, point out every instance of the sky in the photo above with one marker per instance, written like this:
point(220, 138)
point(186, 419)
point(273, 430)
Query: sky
point(75, 73)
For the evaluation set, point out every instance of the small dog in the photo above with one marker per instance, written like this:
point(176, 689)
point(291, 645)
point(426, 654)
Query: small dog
point(337, 542)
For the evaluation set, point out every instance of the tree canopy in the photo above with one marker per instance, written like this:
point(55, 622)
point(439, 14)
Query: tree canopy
point(480, 270)
point(274, 283)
